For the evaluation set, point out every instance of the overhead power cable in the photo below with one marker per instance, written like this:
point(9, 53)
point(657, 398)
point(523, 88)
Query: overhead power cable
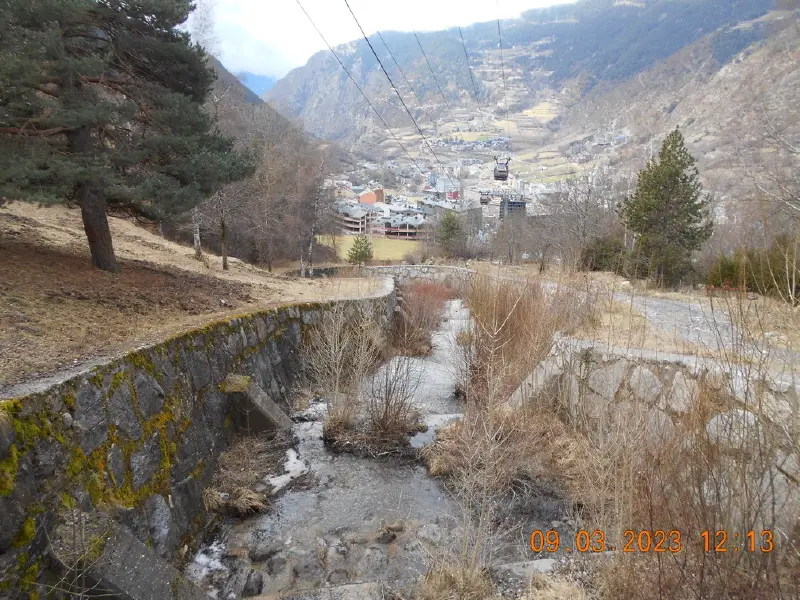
point(375, 110)
point(503, 71)
point(396, 91)
point(472, 79)
point(446, 103)
point(408, 83)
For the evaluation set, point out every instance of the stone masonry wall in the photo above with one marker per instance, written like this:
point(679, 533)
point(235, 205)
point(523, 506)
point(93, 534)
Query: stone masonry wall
point(139, 436)
point(402, 274)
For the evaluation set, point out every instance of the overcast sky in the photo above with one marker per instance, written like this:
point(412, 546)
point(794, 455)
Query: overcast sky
point(270, 37)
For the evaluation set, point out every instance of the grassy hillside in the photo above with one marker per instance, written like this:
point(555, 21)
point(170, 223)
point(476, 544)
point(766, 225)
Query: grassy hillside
point(56, 311)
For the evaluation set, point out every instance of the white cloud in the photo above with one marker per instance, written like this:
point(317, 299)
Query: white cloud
point(270, 38)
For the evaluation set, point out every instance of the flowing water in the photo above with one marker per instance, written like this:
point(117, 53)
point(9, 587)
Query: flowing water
point(361, 519)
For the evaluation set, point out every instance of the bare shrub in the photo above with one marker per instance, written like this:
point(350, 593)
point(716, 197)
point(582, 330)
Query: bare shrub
point(390, 406)
point(345, 346)
point(513, 327)
point(646, 474)
point(420, 315)
point(410, 258)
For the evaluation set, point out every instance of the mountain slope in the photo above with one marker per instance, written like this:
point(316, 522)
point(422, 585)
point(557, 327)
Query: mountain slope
point(567, 50)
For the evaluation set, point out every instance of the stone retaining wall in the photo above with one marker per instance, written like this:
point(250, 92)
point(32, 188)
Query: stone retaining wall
point(592, 380)
point(402, 274)
point(139, 436)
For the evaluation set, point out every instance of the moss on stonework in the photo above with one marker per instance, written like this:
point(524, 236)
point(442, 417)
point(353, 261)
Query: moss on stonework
point(8, 471)
point(141, 360)
point(117, 381)
point(97, 378)
point(26, 533)
point(69, 400)
point(235, 383)
point(28, 430)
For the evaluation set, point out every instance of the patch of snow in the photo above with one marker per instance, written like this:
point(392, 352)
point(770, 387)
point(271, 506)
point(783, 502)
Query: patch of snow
point(208, 560)
point(294, 467)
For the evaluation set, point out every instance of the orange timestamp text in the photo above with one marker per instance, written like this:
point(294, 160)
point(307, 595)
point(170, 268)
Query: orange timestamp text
point(657, 540)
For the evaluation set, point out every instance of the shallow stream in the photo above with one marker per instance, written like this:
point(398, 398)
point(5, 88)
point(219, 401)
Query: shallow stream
point(359, 519)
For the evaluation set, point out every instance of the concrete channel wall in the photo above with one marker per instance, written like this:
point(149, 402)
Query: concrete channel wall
point(138, 438)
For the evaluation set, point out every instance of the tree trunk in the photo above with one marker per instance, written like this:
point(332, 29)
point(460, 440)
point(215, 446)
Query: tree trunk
point(198, 249)
point(222, 247)
point(95, 224)
point(92, 200)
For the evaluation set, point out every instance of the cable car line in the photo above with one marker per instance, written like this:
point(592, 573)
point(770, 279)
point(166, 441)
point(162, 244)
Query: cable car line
point(503, 71)
point(408, 83)
point(394, 87)
point(472, 79)
point(375, 110)
point(446, 103)
point(501, 168)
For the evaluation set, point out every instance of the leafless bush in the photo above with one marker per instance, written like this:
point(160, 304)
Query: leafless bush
point(513, 327)
point(390, 406)
point(76, 547)
point(420, 315)
point(345, 346)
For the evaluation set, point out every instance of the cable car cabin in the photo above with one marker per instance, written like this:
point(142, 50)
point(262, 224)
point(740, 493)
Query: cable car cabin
point(501, 171)
point(485, 198)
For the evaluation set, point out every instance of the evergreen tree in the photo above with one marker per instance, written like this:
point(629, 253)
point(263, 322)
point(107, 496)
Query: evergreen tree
point(361, 250)
point(668, 212)
point(451, 235)
point(101, 104)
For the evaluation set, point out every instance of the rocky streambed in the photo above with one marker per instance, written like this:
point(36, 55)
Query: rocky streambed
point(358, 519)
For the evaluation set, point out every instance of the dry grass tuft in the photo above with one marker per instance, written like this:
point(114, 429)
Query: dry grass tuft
point(241, 469)
point(213, 500)
point(548, 587)
point(445, 581)
point(246, 502)
point(526, 445)
point(242, 503)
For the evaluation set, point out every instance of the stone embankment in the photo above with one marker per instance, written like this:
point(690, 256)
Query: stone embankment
point(138, 438)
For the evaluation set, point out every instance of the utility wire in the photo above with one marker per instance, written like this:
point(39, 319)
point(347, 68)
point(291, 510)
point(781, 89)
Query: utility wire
point(472, 79)
point(503, 71)
point(396, 91)
point(408, 83)
point(446, 103)
point(375, 110)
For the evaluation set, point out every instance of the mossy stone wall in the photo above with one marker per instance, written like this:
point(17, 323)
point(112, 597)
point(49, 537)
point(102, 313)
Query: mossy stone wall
point(139, 437)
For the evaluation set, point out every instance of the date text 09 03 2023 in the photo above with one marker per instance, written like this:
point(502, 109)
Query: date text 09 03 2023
point(657, 540)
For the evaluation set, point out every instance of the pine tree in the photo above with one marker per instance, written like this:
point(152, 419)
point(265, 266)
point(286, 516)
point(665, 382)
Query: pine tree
point(668, 212)
point(361, 250)
point(101, 104)
point(451, 234)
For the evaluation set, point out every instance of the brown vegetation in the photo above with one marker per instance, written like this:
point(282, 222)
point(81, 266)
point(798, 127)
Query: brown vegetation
point(421, 312)
point(241, 470)
point(624, 469)
point(56, 310)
